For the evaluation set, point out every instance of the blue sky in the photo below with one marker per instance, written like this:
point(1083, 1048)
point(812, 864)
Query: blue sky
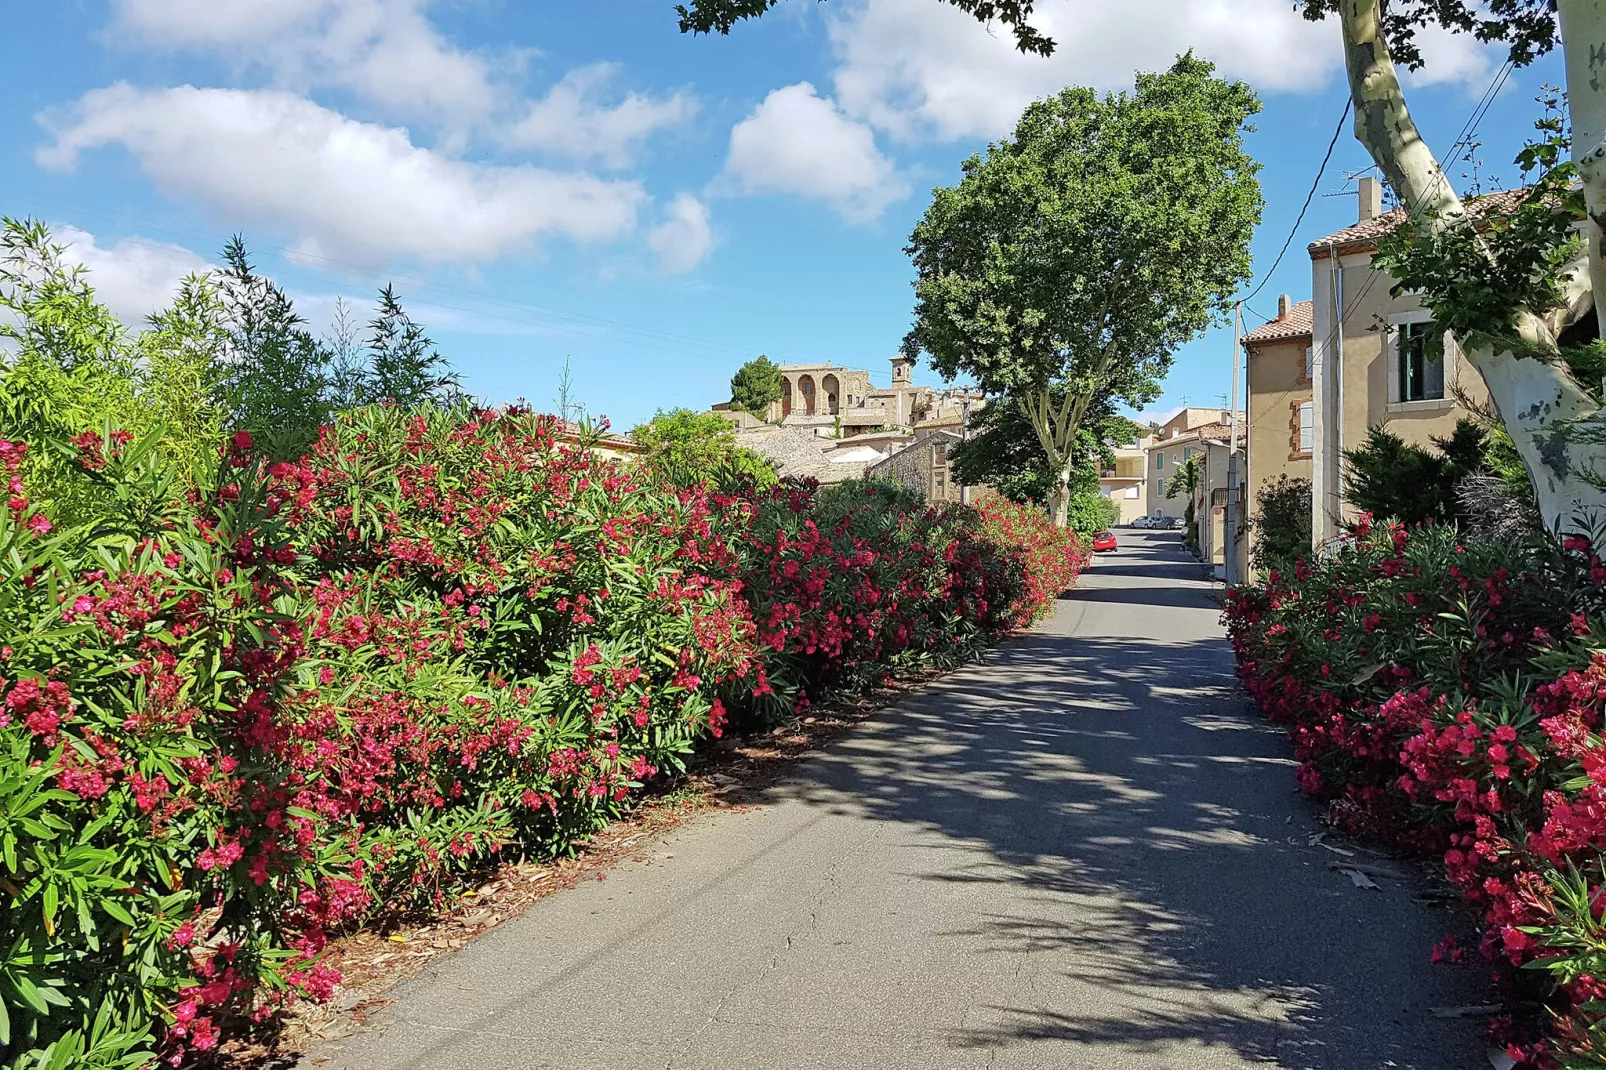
point(548, 180)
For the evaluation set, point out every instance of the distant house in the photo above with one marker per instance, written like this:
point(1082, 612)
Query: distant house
point(1282, 410)
point(1203, 436)
point(923, 466)
point(1126, 483)
point(838, 402)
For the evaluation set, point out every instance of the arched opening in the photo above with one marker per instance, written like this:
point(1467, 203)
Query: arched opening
point(786, 397)
point(805, 387)
point(832, 389)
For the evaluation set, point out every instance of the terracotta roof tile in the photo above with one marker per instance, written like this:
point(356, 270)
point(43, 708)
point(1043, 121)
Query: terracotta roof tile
point(1297, 324)
point(1372, 230)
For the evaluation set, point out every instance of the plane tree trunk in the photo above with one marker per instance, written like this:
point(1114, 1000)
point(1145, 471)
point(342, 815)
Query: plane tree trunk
point(1535, 397)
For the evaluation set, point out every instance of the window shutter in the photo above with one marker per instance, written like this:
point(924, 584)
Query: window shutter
point(1391, 348)
point(1307, 426)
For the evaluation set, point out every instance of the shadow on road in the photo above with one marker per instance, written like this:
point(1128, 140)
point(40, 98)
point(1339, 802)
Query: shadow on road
point(1123, 783)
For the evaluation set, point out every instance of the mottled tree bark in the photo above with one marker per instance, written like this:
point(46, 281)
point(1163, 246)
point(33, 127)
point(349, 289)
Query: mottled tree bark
point(1535, 397)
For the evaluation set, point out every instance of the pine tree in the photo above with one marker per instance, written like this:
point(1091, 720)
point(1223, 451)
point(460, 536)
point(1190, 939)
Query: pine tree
point(403, 365)
point(278, 374)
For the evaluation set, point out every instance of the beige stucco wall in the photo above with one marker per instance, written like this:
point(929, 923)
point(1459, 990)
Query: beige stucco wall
point(1367, 359)
point(1174, 453)
point(1277, 387)
point(1360, 394)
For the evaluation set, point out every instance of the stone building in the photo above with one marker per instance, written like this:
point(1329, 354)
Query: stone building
point(922, 466)
point(843, 402)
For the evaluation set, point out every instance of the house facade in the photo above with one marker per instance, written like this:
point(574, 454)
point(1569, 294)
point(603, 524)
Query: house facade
point(1178, 441)
point(1126, 483)
point(923, 466)
point(1376, 359)
point(1281, 430)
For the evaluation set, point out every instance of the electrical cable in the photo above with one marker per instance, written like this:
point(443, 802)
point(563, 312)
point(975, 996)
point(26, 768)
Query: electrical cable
point(1315, 184)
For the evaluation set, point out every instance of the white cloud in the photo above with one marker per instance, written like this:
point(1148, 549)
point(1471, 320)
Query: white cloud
point(798, 142)
point(1452, 58)
point(387, 51)
point(571, 122)
point(684, 237)
point(918, 69)
point(135, 277)
point(341, 188)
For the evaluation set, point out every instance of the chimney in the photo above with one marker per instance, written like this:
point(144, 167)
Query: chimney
point(1370, 193)
point(1285, 305)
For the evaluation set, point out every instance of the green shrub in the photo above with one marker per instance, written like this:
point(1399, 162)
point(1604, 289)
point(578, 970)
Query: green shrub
point(1281, 528)
point(1394, 480)
point(685, 448)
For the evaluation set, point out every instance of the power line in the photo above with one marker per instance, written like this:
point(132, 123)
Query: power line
point(1316, 184)
point(1479, 110)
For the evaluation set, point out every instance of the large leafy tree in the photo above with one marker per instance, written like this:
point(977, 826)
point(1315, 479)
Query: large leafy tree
point(1073, 258)
point(1002, 451)
point(756, 385)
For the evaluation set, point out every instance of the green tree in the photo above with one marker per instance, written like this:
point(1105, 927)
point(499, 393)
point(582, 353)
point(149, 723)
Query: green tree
point(684, 448)
point(756, 385)
point(718, 16)
point(1072, 259)
point(403, 365)
point(67, 364)
point(182, 375)
point(1186, 481)
point(1003, 452)
point(278, 374)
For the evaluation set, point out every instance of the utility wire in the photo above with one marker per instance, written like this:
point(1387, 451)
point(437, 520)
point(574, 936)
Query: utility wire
point(1470, 128)
point(1316, 184)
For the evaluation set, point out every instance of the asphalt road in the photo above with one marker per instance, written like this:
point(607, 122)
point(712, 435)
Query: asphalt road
point(1084, 851)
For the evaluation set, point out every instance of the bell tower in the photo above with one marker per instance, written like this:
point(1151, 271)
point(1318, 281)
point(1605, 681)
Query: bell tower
point(902, 371)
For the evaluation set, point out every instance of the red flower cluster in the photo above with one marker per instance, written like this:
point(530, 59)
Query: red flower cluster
point(326, 689)
point(1445, 695)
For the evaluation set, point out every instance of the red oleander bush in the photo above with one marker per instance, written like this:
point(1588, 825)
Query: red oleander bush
point(235, 721)
point(1444, 695)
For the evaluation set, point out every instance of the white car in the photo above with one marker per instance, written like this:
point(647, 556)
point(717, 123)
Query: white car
point(1143, 522)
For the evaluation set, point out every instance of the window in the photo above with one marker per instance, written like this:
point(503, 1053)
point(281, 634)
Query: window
point(1159, 461)
point(1187, 454)
point(940, 485)
point(1132, 491)
point(1310, 362)
point(939, 454)
point(1419, 358)
point(1159, 488)
point(1307, 426)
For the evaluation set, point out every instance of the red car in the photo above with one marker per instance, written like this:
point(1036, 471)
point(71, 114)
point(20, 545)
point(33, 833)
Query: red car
point(1103, 541)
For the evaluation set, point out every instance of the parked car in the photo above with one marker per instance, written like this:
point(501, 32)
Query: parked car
point(1141, 522)
point(1103, 541)
point(1168, 523)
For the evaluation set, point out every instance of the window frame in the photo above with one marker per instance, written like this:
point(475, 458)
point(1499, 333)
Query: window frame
point(1398, 322)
